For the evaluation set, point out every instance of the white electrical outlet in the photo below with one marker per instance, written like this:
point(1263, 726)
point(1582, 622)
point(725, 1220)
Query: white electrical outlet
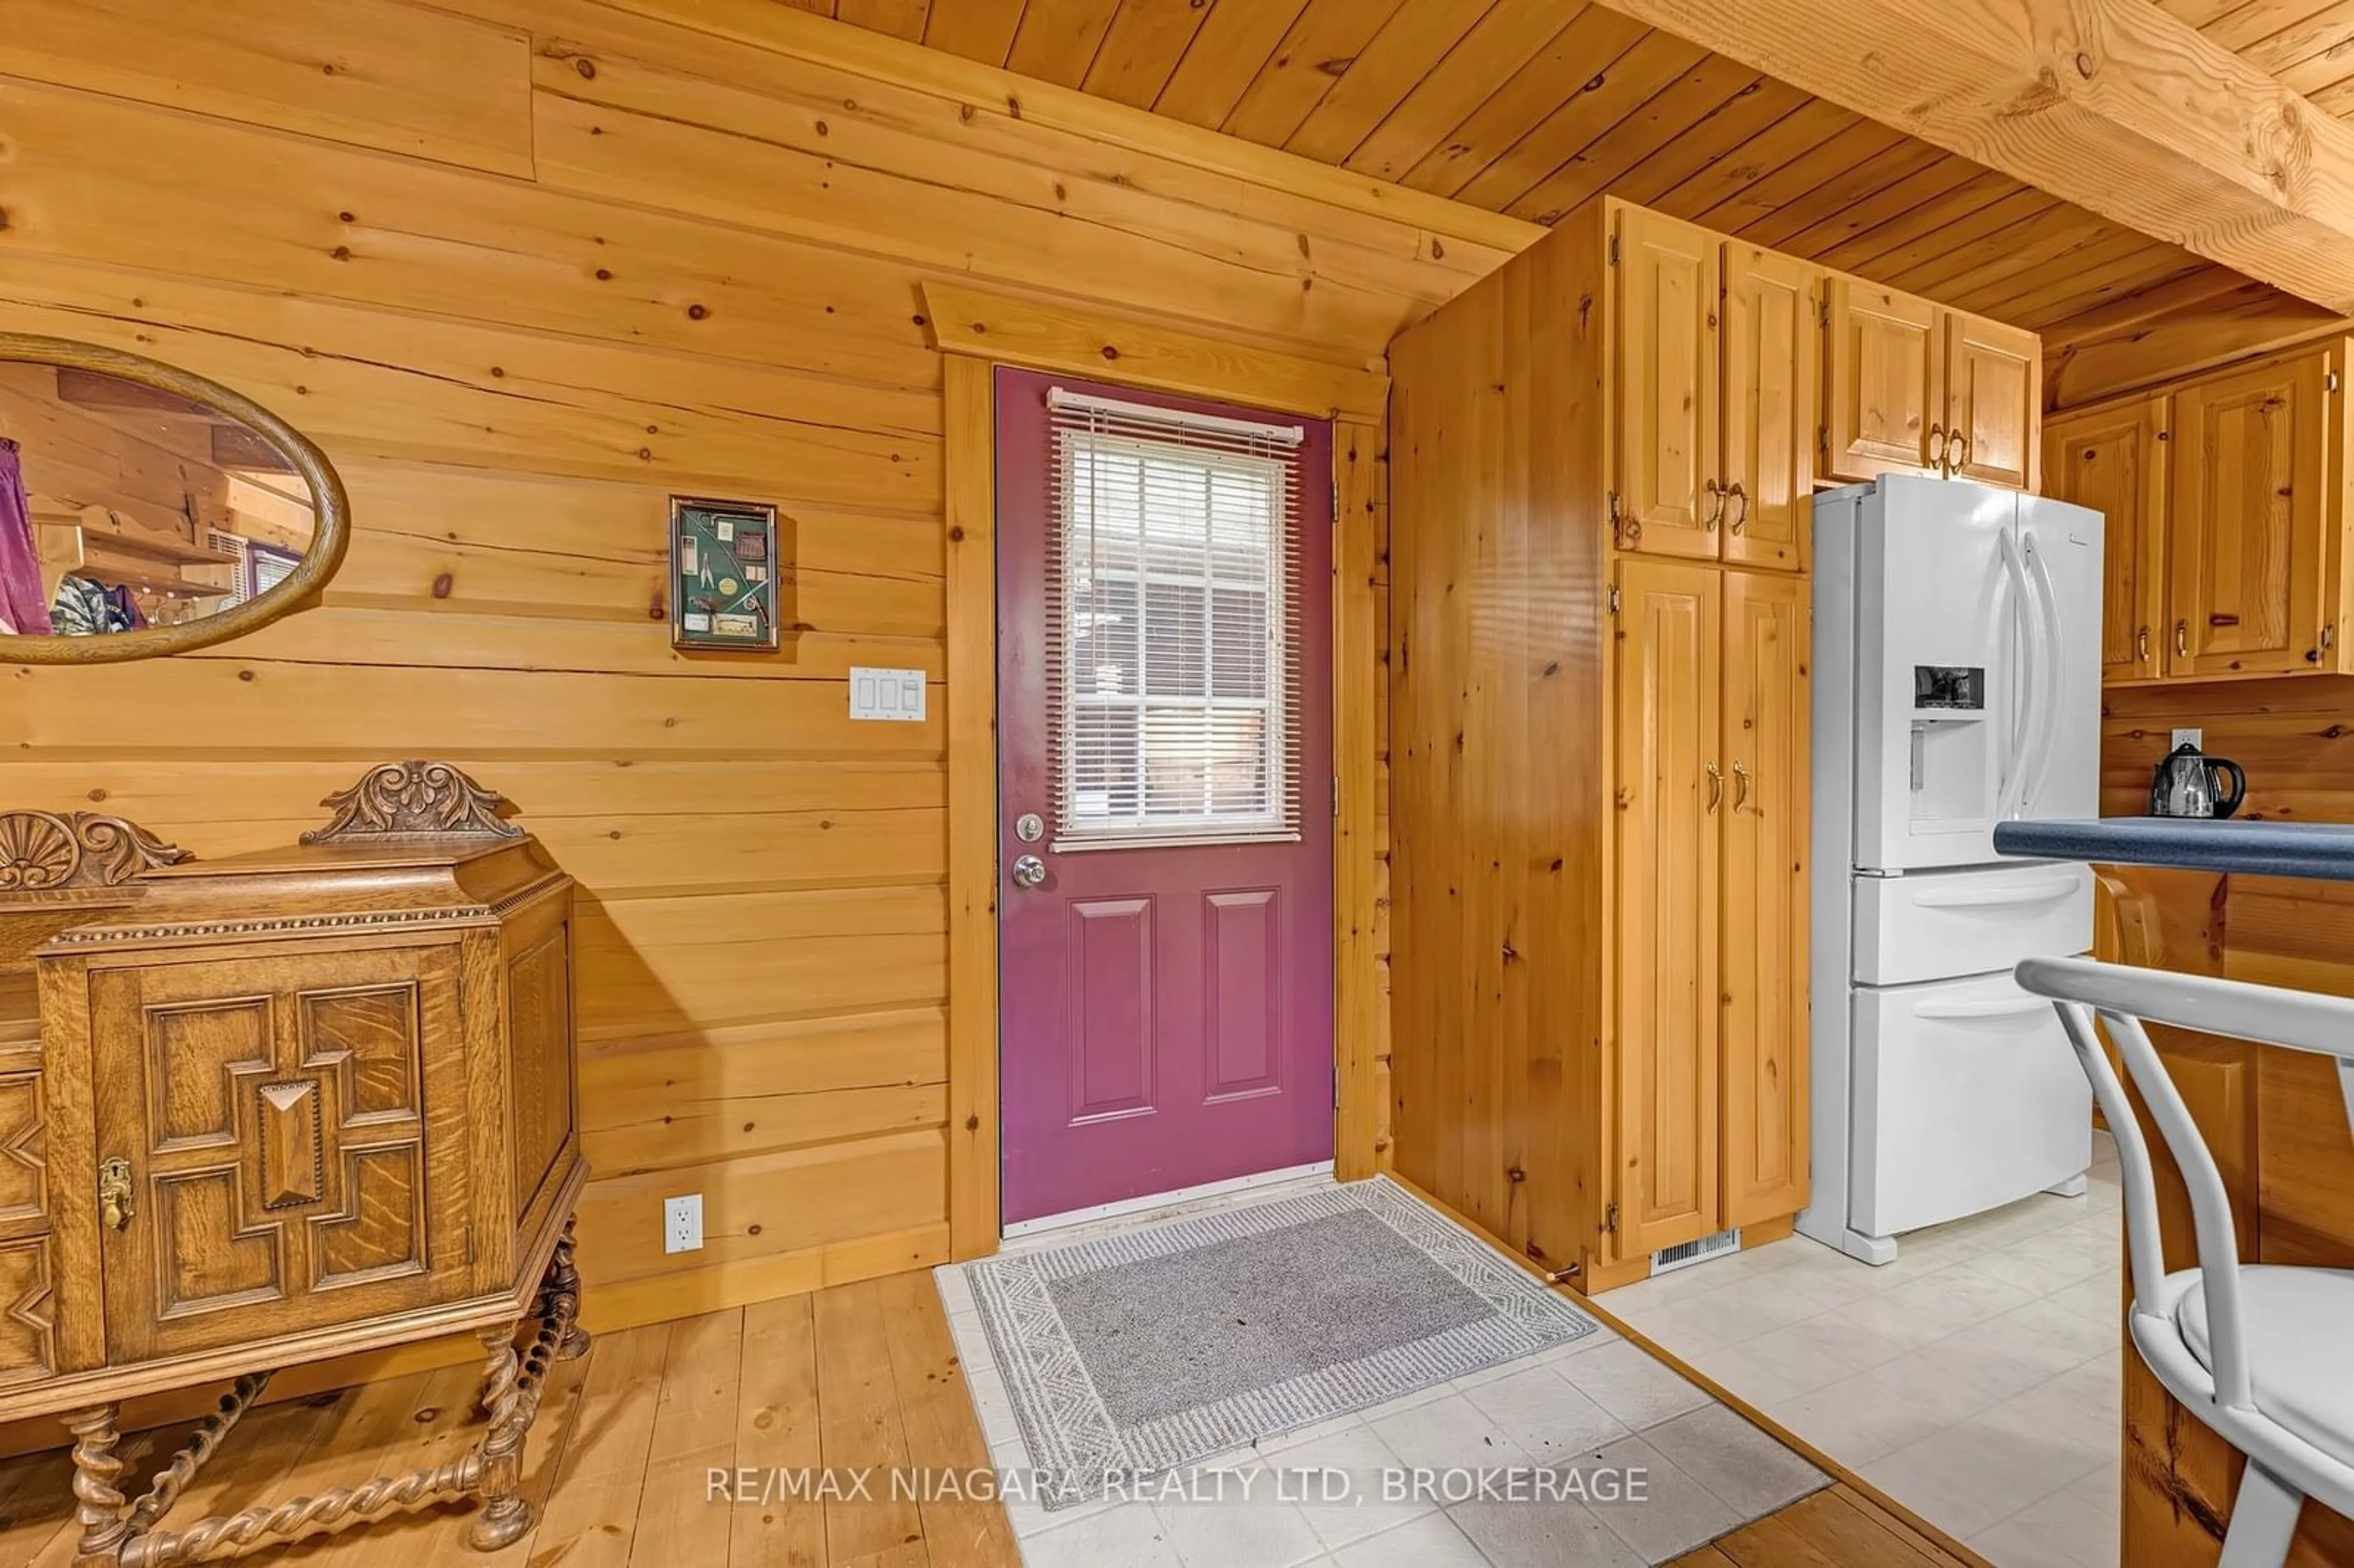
point(682, 1223)
point(2182, 738)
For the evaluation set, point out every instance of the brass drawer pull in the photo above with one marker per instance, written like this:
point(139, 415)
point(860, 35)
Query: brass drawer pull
point(1740, 785)
point(1715, 786)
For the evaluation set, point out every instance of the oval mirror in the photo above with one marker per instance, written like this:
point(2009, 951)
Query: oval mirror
point(145, 511)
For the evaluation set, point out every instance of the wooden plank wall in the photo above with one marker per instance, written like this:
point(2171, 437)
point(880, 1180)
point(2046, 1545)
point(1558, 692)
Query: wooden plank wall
point(523, 267)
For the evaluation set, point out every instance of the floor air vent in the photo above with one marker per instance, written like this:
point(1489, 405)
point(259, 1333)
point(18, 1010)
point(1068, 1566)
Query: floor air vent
point(1686, 1254)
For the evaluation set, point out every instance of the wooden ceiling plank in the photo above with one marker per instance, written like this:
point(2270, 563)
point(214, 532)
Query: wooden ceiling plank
point(2314, 75)
point(1930, 179)
point(978, 29)
point(2245, 27)
point(1958, 208)
point(2040, 310)
point(899, 19)
point(2097, 273)
point(2200, 291)
point(1744, 121)
point(1788, 138)
point(1713, 87)
point(1147, 39)
point(1584, 51)
point(1627, 84)
point(1319, 49)
point(2111, 104)
point(2198, 13)
point(1901, 249)
point(1854, 144)
point(2336, 98)
point(2040, 251)
point(1416, 39)
point(1057, 39)
point(2328, 29)
point(1236, 38)
point(1504, 39)
point(2036, 240)
point(1801, 208)
point(2116, 281)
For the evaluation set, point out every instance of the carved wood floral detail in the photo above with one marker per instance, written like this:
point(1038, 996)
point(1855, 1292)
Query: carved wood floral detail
point(43, 851)
point(413, 800)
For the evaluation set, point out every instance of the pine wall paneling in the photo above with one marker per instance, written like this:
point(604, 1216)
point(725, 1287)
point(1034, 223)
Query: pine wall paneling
point(523, 267)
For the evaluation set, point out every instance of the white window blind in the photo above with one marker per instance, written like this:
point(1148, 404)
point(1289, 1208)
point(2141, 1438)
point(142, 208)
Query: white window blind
point(1174, 655)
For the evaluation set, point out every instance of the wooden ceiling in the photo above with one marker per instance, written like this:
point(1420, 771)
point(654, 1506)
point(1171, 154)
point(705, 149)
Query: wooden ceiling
point(1530, 107)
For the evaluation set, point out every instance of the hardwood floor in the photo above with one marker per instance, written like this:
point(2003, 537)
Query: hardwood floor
point(621, 1463)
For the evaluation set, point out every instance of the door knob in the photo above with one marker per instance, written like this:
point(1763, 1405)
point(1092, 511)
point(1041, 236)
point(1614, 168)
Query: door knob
point(1029, 871)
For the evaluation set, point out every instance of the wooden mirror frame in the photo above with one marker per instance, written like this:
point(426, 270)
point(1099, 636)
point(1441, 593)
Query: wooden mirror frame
point(329, 539)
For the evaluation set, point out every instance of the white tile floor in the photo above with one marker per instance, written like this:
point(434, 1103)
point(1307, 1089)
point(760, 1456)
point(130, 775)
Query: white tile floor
point(1599, 1402)
point(1976, 1379)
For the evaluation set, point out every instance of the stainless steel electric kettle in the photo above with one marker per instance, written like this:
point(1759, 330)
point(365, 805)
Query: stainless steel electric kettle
point(2186, 785)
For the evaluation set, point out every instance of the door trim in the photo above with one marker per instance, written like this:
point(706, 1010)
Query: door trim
point(982, 331)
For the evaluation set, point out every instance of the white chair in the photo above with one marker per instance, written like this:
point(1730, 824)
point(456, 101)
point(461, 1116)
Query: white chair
point(2263, 1354)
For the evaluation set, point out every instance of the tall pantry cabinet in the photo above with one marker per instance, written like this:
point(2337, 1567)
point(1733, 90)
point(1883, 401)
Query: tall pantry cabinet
point(1600, 461)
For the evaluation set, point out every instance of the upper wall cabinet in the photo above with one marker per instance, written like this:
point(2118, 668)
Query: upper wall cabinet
point(1669, 490)
point(2226, 508)
point(1913, 387)
point(1716, 354)
point(2113, 461)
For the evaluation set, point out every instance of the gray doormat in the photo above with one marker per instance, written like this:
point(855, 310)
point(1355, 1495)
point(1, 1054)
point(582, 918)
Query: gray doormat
point(1142, 1352)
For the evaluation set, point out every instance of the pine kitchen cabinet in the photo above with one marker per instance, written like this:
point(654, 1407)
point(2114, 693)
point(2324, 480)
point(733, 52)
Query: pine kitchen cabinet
point(1599, 743)
point(2225, 498)
point(1715, 356)
point(1913, 387)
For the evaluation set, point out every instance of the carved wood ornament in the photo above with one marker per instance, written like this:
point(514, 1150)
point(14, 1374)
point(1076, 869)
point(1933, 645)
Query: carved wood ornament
point(413, 800)
point(45, 851)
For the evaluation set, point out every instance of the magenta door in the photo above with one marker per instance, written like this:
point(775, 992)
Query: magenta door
point(1165, 917)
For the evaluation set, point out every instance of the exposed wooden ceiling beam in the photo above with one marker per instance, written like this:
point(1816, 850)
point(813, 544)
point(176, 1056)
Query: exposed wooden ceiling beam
point(2112, 104)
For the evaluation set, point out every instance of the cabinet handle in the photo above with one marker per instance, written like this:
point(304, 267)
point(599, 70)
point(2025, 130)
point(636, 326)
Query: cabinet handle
point(1741, 518)
point(1938, 449)
point(2182, 640)
point(1715, 786)
point(114, 1193)
point(1715, 513)
point(2141, 645)
point(1957, 448)
point(1740, 785)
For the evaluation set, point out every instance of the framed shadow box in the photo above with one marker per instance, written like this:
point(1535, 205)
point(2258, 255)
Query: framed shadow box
point(723, 573)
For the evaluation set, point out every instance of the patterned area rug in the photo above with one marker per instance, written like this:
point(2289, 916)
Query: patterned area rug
point(1142, 1352)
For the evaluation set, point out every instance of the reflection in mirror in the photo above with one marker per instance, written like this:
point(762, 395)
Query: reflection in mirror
point(124, 506)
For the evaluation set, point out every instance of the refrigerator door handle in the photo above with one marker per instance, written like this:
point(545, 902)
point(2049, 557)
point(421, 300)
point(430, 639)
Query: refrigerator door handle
point(2016, 733)
point(2047, 595)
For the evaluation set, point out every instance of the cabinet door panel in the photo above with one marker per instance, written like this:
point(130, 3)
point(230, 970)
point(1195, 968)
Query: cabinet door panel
point(1671, 501)
point(1994, 400)
point(1764, 952)
point(2113, 461)
point(1665, 703)
point(1772, 351)
point(2247, 568)
point(1885, 377)
point(273, 1113)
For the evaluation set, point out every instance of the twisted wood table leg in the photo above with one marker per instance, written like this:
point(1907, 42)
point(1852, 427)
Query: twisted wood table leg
point(103, 1511)
point(505, 1516)
point(563, 1299)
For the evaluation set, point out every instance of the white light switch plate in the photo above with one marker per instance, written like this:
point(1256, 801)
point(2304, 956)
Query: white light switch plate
point(893, 696)
point(682, 1223)
point(2197, 737)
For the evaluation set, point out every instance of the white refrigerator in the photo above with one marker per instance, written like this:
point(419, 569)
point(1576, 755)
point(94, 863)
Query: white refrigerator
point(1958, 685)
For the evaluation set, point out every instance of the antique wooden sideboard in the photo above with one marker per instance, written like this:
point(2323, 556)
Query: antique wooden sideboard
point(266, 1110)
